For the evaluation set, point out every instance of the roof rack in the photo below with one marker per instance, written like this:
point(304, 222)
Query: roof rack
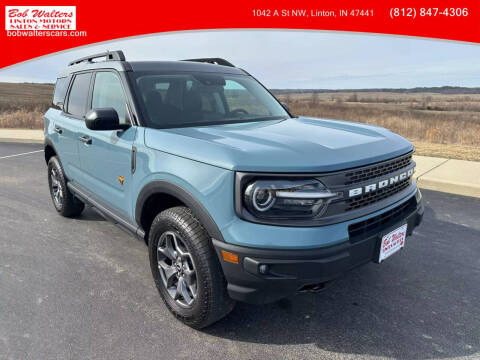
point(216, 61)
point(108, 55)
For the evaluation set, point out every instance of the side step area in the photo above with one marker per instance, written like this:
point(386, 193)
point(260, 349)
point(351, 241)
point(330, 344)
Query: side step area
point(107, 213)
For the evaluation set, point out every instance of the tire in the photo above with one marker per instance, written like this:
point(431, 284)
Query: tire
point(177, 234)
point(65, 203)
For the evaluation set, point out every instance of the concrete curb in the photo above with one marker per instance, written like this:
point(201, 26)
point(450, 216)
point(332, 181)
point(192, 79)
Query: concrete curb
point(24, 141)
point(21, 135)
point(446, 175)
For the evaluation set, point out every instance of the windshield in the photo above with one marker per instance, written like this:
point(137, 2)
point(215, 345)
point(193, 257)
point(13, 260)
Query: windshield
point(193, 99)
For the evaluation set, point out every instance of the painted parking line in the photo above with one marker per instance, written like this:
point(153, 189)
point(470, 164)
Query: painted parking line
point(26, 153)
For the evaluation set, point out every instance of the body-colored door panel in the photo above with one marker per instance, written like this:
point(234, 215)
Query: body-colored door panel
point(107, 166)
point(64, 132)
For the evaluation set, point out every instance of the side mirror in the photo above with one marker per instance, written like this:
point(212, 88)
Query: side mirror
point(104, 119)
point(285, 106)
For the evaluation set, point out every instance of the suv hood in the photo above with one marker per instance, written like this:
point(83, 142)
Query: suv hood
point(292, 145)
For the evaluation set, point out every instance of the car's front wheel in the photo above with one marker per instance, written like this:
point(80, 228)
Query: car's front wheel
point(186, 269)
point(65, 203)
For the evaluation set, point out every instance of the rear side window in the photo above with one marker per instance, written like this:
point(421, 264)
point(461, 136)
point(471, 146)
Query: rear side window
point(108, 92)
point(77, 100)
point(61, 87)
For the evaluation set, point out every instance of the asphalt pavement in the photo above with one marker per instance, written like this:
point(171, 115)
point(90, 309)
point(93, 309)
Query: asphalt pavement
point(82, 289)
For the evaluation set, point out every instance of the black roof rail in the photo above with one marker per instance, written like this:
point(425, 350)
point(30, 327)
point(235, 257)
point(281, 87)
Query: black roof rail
point(216, 61)
point(108, 55)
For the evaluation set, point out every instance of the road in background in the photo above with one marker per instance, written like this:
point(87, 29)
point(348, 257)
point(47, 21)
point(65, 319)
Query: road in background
point(82, 289)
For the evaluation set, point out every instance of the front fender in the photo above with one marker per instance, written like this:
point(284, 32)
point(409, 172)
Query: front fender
point(208, 190)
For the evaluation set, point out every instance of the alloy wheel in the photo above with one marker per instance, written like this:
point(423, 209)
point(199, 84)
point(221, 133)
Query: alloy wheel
point(177, 269)
point(56, 189)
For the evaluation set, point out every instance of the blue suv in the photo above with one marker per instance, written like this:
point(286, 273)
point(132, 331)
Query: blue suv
point(237, 199)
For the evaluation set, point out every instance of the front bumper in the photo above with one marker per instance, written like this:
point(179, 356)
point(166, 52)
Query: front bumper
point(291, 270)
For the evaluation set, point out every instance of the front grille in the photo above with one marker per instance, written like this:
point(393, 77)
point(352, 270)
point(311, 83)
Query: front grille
point(360, 230)
point(375, 196)
point(375, 171)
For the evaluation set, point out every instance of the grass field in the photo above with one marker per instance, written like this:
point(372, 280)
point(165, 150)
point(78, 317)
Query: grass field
point(445, 125)
point(439, 124)
point(23, 105)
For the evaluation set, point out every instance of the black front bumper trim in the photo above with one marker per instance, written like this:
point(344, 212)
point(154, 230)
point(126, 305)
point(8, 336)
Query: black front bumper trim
point(291, 270)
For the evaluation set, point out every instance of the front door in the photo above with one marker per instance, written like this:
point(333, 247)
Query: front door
point(106, 156)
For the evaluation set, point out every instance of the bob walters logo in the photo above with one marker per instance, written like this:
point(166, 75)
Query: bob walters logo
point(24, 18)
point(381, 184)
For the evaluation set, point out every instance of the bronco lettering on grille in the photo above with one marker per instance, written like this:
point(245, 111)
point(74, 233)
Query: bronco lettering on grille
point(380, 184)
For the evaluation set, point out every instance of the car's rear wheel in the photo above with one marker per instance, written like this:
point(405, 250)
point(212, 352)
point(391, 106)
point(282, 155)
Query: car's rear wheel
point(186, 269)
point(64, 201)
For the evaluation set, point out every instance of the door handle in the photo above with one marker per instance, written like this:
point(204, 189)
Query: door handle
point(58, 130)
point(85, 139)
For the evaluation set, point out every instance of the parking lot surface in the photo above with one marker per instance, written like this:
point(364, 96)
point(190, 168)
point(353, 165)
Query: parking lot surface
point(82, 289)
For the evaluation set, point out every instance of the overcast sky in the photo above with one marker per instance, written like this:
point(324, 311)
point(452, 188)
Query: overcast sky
point(294, 59)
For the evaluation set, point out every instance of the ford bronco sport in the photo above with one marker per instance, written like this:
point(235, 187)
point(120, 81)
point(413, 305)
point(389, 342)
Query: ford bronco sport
point(237, 199)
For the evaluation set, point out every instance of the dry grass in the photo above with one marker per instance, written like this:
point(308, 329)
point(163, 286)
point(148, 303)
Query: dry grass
point(423, 118)
point(22, 119)
point(461, 152)
point(23, 105)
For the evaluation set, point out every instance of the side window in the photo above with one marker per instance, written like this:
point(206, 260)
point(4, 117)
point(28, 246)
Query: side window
point(77, 100)
point(108, 92)
point(60, 91)
point(238, 97)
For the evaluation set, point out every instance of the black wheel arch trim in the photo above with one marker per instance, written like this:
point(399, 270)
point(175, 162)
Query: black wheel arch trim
point(169, 188)
point(48, 142)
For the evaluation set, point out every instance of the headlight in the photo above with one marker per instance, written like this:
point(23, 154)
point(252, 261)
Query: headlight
point(287, 199)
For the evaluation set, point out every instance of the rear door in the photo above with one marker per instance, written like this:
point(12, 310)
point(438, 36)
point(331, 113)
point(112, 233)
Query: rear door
point(106, 156)
point(67, 124)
